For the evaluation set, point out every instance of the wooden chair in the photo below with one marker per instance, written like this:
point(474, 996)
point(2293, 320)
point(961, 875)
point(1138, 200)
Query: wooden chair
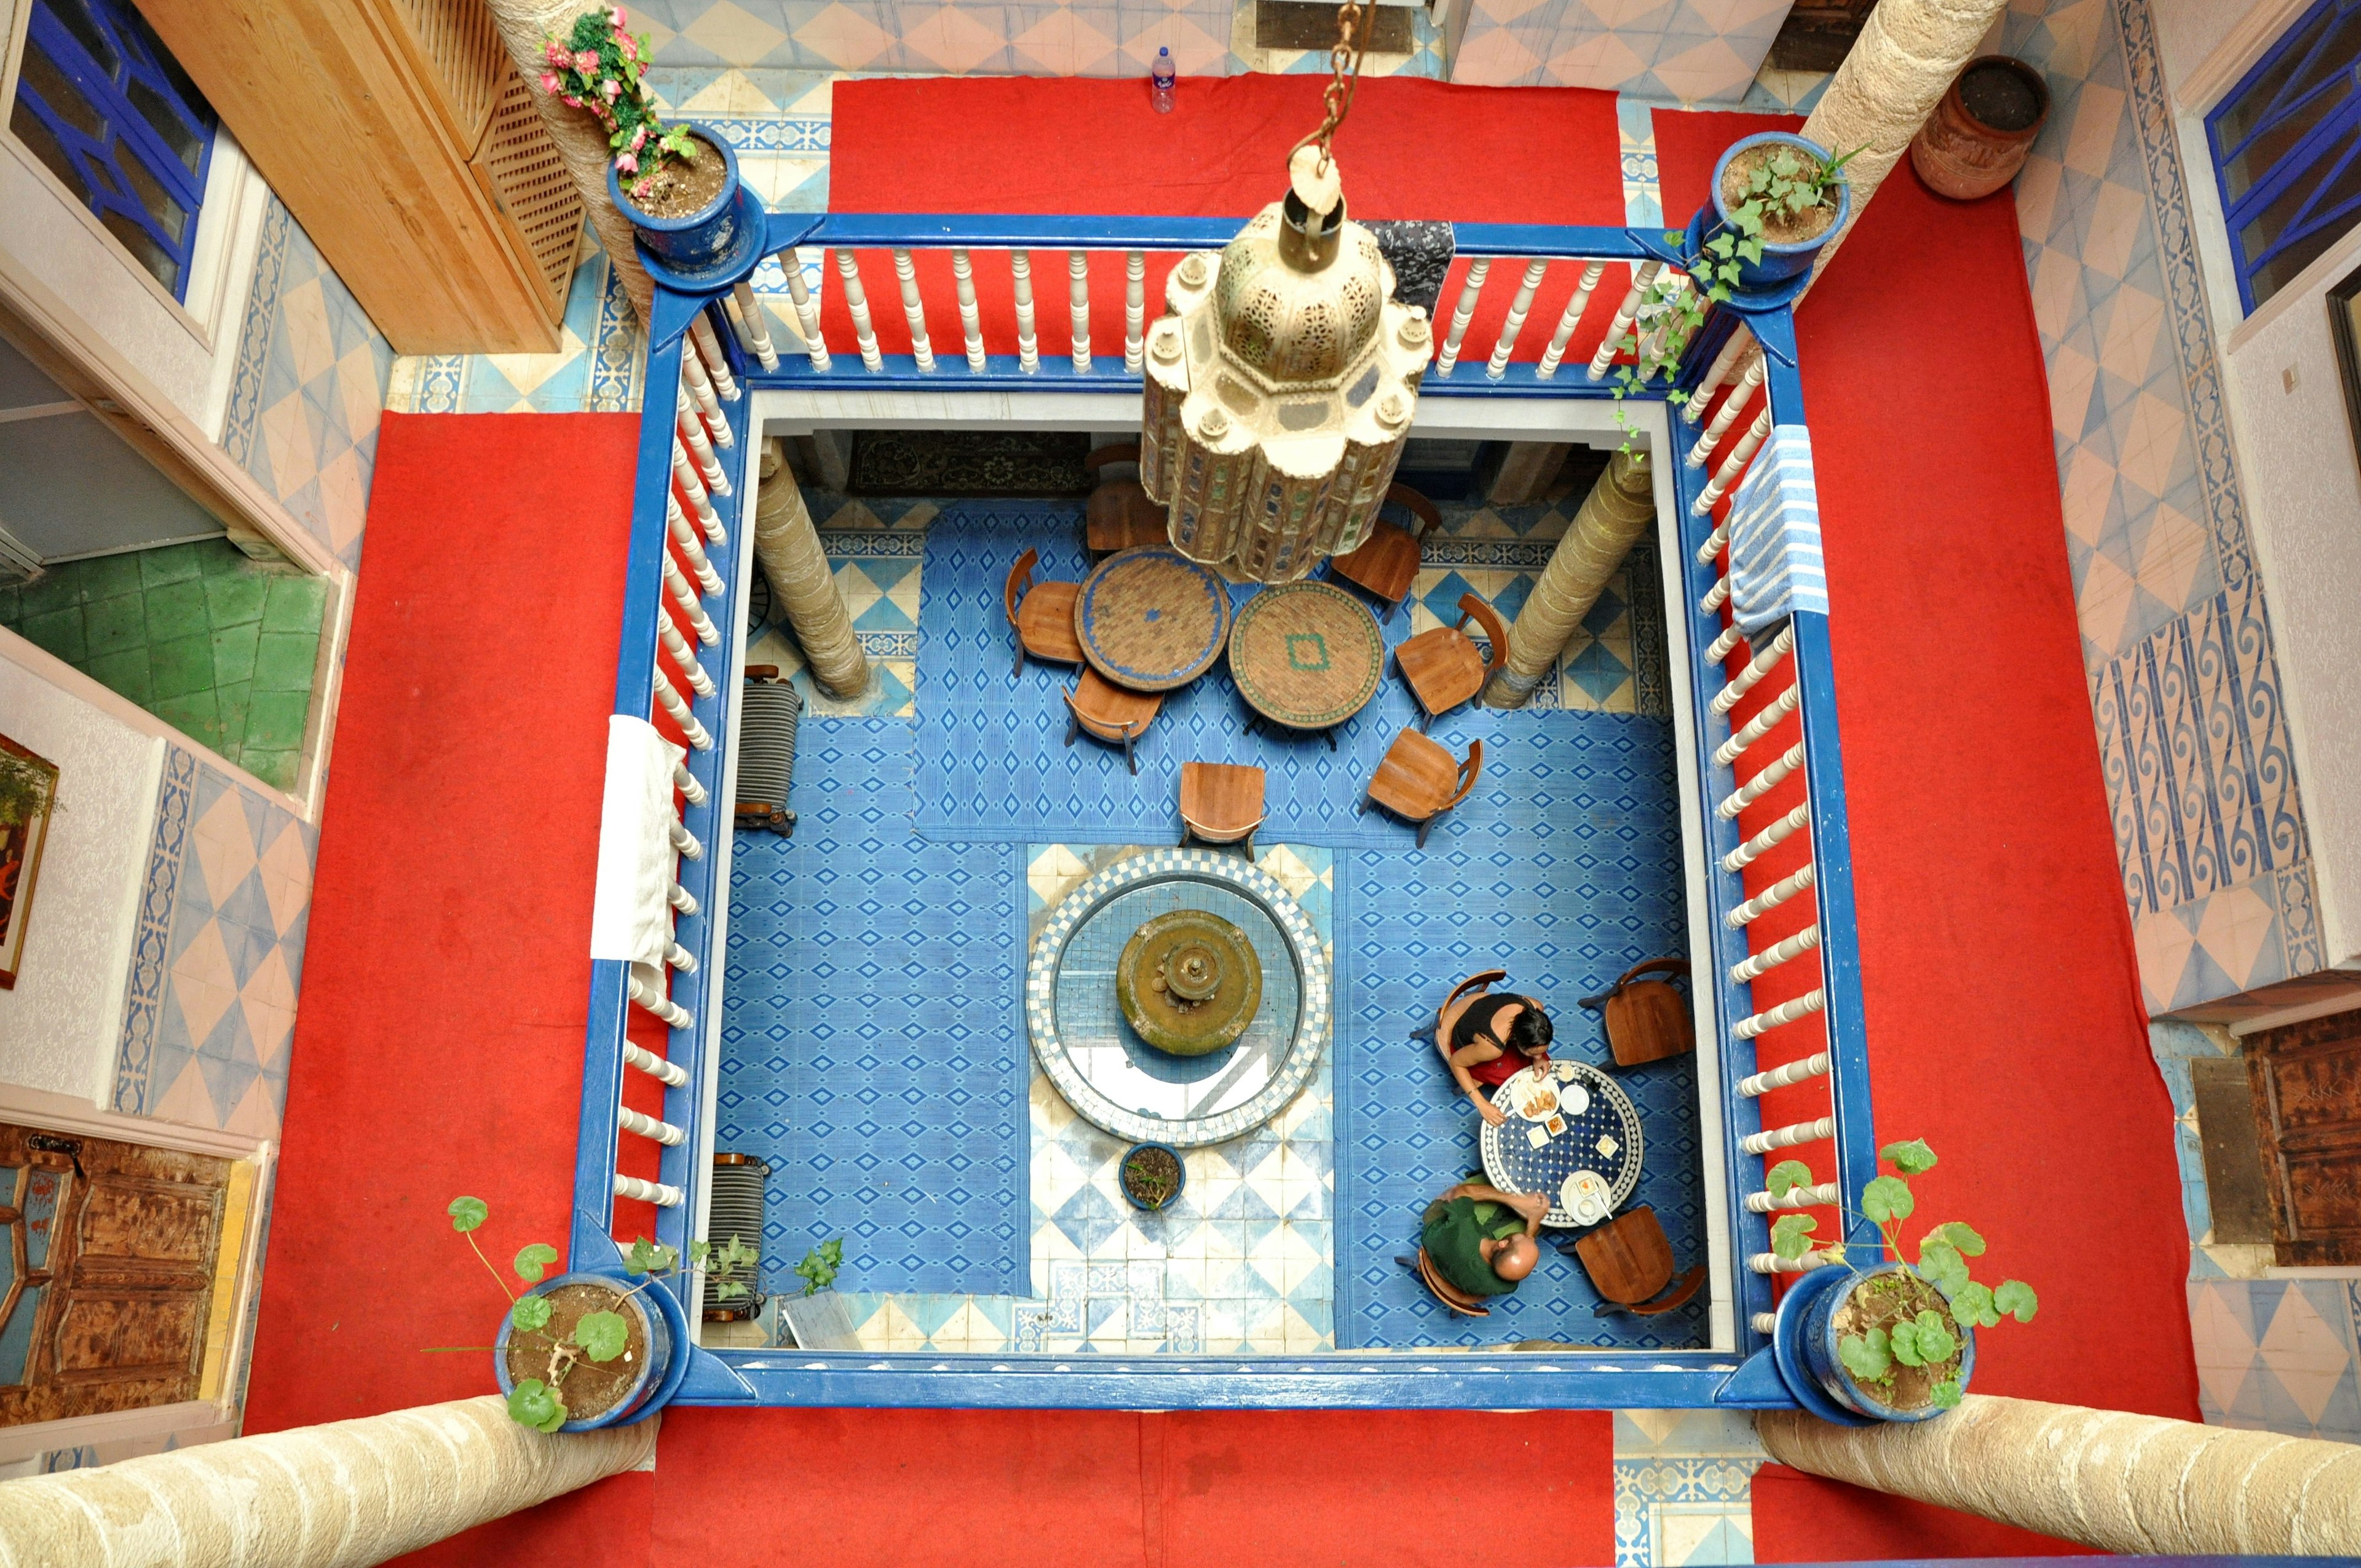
point(1221, 802)
point(1646, 1020)
point(1482, 980)
point(1041, 614)
point(1121, 517)
point(1443, 666)
point(1105, 711)
point(1628, 1261)
point(1418, 780)
point(1386, 565)
point(1455, 1300)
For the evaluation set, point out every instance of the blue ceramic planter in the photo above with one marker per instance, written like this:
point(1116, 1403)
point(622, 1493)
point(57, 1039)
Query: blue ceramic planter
point(1180, 1182)
point(1804, 1347)
point(658, 1378)
point(1781, 264)
point(703, 238)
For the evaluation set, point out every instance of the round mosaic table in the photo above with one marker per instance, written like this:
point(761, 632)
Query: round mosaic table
point(1115, 1079)
point(1306, 655)
point(1152, 619)
point(1601, 1137)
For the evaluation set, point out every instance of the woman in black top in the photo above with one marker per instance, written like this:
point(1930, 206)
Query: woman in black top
point(1486, 1040)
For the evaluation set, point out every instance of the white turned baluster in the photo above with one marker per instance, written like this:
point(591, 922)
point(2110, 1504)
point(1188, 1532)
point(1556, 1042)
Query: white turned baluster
point(1625, 314)
point(905, 272)
point(1740, 343)
point(680, 957)
point(971, 323)
point(1720, 648)
point(681, 898)
point(663, 1006)
point(1730, 471)
point(1778, 953)
point(1761, 784)
point(692, 791)
point(690, 432)
point(678, 646)
point(1744, 681)
point(1803, 1006)
point(856, 300)
point(685, 597)
point(1787, 1138)
point(807, 310)
point(1731, 406)
point(1764, 1323)
point(693, 489)
point(1498, 365)
point(664, 1133)
point(655, 1066)
point(1771, 898)
point(717, 363)
point(654, 1192)
point(668, 698)
point(752, 329)
point(1569, 321)
point(1770, 839)
point(1078, 296)
point(708, 521)
point(701, 393)
point(1029, 348)
point(684, 841)
point(1135, 307)
point(1812, 1065)
point(1462, 313)
point(1779, 707)
point(1771, 1263)
point(1827, 1192)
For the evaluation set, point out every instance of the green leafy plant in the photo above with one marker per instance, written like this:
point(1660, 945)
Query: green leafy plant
point(598, 1337)
point(818, 1271)
point(27, 787)
point(1922, 1338)
point(598, 66)
point(1672, 306)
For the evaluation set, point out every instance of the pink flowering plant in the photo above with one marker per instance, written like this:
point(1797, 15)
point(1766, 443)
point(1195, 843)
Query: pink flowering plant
point(598, 67)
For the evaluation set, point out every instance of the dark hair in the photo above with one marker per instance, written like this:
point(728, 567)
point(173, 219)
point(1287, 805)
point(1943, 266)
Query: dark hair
point(1531, 1030)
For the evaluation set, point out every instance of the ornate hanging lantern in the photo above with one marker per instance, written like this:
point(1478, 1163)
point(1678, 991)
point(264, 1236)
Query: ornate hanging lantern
point(1281, 380)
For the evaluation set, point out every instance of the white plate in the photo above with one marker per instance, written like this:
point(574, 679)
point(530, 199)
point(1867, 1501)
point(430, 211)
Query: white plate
point(1573, 1099)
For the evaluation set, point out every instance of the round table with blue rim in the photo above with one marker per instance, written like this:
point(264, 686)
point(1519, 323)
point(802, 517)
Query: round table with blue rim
point(1603, 1137)
point(1152, 619)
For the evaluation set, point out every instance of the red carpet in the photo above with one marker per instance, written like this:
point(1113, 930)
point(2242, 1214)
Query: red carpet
point(2003, 996)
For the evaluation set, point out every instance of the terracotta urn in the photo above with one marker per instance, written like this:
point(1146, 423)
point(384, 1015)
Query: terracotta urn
point(1979, 135)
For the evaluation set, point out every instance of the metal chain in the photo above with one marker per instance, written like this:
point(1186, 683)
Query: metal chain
point(1356, 20)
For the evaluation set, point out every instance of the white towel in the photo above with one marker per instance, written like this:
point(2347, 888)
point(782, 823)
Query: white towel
point(631, 915)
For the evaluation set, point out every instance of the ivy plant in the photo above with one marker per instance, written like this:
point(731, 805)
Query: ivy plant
point(818, 1271)
point(598, 1337)
point(1928, 1338)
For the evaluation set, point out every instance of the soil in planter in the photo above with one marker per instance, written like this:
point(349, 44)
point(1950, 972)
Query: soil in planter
point(1881, 1304)
point(1152, 1176)
point(683, 189)
point(589, 1387)
point(1999, 96)
point(1779, 226)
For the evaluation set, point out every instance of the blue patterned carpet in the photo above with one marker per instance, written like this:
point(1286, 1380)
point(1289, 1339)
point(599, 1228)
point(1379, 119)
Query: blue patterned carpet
point(1577, 881)
point(898, 1121)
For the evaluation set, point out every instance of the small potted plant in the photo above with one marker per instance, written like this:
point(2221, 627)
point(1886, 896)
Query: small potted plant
point(1151, 1176)
point(582, 1350)
point(677, 184)
point(1891, 1342)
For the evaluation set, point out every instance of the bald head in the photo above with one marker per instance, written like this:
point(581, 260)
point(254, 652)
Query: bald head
point(1514, 1258)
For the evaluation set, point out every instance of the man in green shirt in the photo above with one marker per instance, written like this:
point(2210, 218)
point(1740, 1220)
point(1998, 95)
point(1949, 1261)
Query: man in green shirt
point(1480, 1239)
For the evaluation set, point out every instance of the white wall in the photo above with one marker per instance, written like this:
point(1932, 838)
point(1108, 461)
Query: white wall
point(59, 1027)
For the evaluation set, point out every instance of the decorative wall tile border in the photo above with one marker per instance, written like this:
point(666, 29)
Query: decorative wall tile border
point(244, 412)
point(152, 942)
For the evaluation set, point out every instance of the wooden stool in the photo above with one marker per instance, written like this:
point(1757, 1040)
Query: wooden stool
point(1629, 1260)
point(1455, 1300)
point(1646, 1020)
point(1386, 565)
point(1418, 780)
point(1120, 517)
point(1041, 614)
point(1221, 802)
point(1443, 667)
point(1105, 711)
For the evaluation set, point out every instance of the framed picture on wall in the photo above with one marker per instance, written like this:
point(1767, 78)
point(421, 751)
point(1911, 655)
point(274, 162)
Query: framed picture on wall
point(29, 795)
point(2345, 326)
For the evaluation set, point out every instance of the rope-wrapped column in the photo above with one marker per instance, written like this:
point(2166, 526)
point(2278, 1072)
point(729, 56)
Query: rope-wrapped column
point(1620, 508)
point(1895, 73)
point(2109, 1479)
point(787, 546)
point(525, 27)
point(327, 1496)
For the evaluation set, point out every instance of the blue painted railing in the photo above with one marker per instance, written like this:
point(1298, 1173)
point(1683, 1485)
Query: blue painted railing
point(1739, 1377)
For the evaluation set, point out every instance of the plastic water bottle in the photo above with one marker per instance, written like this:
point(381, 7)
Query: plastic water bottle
point(1162, 75)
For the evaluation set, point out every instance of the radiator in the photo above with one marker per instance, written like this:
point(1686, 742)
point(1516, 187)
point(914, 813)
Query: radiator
point(766, 753)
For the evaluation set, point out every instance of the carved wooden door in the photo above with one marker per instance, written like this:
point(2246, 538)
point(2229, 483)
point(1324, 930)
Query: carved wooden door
point(1818, 34)
point(110, 1261)
point(2307, 1080)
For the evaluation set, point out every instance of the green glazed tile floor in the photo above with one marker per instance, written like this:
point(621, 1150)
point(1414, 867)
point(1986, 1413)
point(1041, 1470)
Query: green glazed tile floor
point(219, 647)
